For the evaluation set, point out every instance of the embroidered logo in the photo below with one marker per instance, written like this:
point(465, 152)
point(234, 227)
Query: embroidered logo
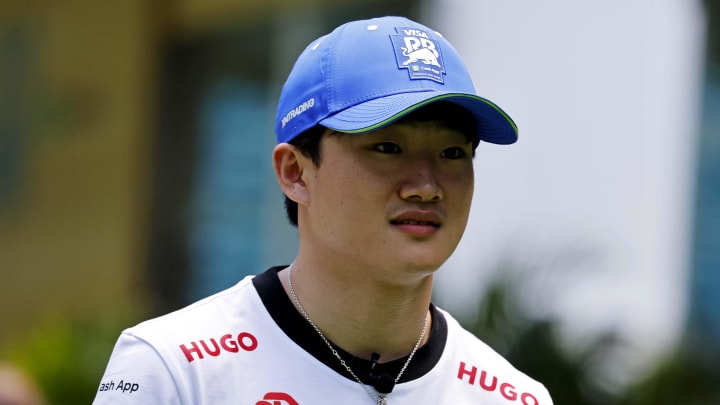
point(277, 398)
point(420, 54)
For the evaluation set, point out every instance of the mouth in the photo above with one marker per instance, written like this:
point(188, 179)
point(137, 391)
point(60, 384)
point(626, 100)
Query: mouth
point(415, 222)
point(418, 223)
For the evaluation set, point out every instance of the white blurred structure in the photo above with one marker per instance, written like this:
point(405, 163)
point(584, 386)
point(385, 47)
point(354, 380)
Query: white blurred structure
point(597, 194)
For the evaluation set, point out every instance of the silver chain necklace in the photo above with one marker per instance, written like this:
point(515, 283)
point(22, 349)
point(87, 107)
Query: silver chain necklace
point(379, 398)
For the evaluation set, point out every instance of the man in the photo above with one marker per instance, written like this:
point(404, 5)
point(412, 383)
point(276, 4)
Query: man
point(377, 126)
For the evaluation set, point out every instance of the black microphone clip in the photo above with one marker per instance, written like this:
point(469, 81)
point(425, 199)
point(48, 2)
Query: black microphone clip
point(383, 382)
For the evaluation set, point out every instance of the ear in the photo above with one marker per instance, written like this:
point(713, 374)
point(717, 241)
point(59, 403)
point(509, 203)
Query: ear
point(289, 165)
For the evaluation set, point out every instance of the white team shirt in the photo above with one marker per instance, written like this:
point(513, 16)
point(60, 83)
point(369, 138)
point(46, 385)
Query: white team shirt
point(248, 345)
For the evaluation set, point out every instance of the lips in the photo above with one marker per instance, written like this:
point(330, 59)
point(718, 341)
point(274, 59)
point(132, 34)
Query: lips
point(420, 221)
point(412, 222)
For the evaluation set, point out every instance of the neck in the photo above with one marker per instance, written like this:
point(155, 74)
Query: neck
point(362, 316)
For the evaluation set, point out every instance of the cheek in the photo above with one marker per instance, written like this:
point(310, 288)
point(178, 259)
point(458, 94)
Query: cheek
point(461, 196)
point(470, 189)
point(462, 187)
point(346, 209)
point(343, 191)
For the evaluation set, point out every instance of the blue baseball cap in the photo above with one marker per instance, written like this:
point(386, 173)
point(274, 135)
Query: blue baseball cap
point(367, 74)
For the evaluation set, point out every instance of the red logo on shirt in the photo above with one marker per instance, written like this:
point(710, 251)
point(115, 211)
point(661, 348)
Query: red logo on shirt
point(228, 343)
point(277, 398)
point(506, 389)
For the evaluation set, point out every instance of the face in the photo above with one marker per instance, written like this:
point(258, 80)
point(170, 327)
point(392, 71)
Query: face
point(396, 198)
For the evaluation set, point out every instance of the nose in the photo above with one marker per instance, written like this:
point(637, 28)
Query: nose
point(421, 182)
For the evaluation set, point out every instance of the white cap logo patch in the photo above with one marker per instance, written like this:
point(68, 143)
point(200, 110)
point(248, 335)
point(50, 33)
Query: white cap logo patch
point(419, 54)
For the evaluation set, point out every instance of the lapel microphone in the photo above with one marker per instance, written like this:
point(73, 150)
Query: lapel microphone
point(382, 382)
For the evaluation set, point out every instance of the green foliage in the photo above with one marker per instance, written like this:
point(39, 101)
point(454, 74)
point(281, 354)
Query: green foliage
point(66, 356)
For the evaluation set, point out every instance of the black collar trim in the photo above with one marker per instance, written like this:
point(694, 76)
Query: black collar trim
point(291, 322)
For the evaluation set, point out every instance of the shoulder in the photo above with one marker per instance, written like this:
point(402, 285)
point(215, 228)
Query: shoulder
point(227, 322)
point(468, 346)
point(158, 360)
point(477, 364)
point(227, 307)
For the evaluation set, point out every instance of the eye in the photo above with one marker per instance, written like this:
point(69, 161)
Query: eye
point(387, 147)
point(455, 152)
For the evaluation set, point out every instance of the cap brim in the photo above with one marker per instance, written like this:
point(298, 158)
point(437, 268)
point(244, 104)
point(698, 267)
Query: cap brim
point(493, 124)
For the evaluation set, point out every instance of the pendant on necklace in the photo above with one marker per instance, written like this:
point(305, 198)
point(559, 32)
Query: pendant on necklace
point(382, 401)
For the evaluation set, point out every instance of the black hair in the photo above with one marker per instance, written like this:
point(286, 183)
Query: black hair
point(446, 114)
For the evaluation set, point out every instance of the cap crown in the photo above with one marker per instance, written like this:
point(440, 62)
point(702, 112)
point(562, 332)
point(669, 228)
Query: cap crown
point(366, 74)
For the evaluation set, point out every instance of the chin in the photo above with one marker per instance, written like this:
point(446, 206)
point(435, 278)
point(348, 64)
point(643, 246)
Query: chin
point(424, 264)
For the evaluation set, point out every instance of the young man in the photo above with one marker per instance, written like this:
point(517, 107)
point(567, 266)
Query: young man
point(377, 125)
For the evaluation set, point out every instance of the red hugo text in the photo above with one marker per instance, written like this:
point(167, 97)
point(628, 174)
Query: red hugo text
point(491, 383)
point(214, 347)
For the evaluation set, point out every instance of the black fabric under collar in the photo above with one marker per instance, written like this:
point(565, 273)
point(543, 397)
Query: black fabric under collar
point(283, 311)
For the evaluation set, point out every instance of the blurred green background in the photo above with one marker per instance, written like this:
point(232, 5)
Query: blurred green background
point(106, 109)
